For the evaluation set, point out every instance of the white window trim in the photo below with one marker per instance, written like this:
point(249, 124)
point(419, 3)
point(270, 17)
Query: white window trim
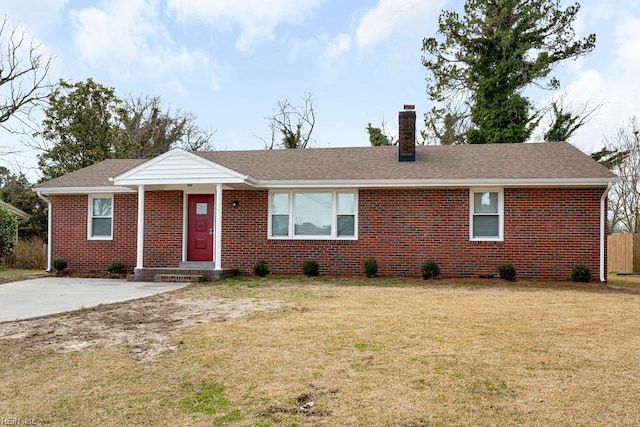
point(90, 216)
point(500, 192)
point(334, 213)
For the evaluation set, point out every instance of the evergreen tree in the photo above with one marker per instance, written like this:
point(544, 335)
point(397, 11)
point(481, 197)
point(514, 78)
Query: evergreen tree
point(83, 124)
point(487, 58)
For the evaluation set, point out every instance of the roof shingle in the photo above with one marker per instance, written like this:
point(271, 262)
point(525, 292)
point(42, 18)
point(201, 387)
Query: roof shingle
point(438, 162)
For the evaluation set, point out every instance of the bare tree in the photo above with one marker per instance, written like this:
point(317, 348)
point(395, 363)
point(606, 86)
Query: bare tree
point(291, 124)
point(624, 197)
point(23, 79)
point(155, 130)
point(448, 124)
point(566, 119)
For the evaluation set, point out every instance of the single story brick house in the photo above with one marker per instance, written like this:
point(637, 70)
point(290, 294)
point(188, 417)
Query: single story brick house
point(470, 208)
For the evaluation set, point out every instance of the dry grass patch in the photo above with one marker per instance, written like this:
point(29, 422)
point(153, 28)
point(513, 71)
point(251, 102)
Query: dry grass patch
point(10, 274)
point(629, 282)
point(370, 352)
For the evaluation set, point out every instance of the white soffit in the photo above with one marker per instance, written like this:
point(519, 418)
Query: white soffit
point(179, 167)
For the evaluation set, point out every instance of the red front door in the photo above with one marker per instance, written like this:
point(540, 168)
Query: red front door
point(200, 228)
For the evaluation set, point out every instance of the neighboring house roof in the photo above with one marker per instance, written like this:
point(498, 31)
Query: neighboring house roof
point(22, 216)
point(434, 165)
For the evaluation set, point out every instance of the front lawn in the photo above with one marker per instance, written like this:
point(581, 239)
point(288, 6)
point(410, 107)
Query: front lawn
point(336, 352)
point(9, 274)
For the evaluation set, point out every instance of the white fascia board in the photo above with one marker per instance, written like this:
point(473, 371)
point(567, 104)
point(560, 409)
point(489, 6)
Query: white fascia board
point(444, 183)
point(185, 181)
point(83, 190)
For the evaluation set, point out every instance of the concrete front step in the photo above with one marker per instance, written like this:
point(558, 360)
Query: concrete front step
point(199, 265)
point(180, 274)
point(178, 278)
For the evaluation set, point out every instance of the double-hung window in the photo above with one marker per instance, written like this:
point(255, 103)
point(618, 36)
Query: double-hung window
point(486, 214)
point(100, 224)
point(313, 215)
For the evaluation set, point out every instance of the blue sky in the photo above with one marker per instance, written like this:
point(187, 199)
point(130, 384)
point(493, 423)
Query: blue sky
point(229, 62)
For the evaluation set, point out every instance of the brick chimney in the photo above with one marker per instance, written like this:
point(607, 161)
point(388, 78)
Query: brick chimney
point(407, 134)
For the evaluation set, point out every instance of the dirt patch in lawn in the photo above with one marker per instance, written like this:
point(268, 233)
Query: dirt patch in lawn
point(144, 325)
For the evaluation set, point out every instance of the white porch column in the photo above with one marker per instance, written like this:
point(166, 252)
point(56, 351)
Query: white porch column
point(140, 237)
point(218, 228)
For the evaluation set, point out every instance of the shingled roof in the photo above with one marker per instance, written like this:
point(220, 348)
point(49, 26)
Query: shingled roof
point(509, 162)
point(434, 162)
point(95, 175)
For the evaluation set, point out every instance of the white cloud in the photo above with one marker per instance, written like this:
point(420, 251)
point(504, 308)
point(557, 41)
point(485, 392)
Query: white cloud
point(38, 15)
point(256, 18)
point(390, 17)
point(333, 54)
point(612, 80)
point(399, 25)
point(127, 37)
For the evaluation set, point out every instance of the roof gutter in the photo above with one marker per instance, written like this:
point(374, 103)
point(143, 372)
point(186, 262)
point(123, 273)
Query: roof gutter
point(49, 216)
point(433, 183)
point(603, 232)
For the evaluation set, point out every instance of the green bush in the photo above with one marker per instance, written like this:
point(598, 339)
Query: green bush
point(371, 267)
point(8, 236)
point(311, 268)
point(116, 267)
point(59, 265)
point(260, 268)
point(581, 273)
point(430, 270)
point(507, 272)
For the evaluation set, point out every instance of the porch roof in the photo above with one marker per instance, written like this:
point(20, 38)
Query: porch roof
point(22, 215)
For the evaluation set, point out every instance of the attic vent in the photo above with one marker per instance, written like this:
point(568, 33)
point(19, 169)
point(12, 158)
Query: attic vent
point(407, 134)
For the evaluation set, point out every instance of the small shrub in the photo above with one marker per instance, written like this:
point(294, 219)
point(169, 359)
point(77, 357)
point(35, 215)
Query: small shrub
point(59, 265)
point(116, 267)
point(260, 268)
point(507, 272)
point(581, 273)
point(311, 268)
point(430, 270)
point(371, 267)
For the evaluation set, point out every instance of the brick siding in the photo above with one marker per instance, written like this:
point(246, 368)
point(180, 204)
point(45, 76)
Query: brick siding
point(163, 232)
point(546, 232)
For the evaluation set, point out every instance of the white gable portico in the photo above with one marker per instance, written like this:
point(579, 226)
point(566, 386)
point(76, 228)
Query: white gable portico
point(193, 175)
point(180, 167)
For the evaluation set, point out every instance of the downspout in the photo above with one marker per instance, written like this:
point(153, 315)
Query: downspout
point(603, 231)
point(48, 229)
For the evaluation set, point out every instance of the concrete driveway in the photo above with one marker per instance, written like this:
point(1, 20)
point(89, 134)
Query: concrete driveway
point(50, 295)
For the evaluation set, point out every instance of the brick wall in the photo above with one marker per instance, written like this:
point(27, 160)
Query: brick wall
point(546, 232)
point(69, 235)
point(162, 228)
point(163, 232)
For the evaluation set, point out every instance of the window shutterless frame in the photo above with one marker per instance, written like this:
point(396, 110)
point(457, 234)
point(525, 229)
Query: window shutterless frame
point(313, 215)
point(100, 217)
point(486, 214)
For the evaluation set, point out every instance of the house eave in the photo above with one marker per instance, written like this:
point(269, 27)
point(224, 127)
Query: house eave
point(441, 183)
point(187, 181)
point(83, 190)
point(128, 186)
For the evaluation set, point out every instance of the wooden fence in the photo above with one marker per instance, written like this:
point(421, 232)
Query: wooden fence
point(623, 254)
